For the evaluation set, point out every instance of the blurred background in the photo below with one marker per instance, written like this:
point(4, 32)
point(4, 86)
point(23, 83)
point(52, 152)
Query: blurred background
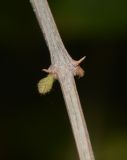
point(37, 127)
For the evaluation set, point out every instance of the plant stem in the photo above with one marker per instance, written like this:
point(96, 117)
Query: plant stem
point(64, 68)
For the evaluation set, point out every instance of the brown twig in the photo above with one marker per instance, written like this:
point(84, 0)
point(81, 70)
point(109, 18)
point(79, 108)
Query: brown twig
point(64, 68)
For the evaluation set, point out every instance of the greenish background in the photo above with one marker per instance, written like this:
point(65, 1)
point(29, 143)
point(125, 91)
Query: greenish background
point(35, 127)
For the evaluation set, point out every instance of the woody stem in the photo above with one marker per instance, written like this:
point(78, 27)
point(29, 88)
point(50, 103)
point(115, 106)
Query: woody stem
point(64, 67)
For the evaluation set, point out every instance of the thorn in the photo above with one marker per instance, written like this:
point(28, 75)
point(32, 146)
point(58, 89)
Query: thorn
point(76, 63)
point(46, 70)
point(51, 72)
point(82, 59)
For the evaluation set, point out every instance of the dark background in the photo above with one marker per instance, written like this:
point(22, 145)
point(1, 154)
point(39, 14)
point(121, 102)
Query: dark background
point(35, 127)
